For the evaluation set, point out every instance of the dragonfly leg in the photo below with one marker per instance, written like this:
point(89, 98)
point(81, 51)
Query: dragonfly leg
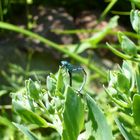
point(70, 75)
point(84, 81)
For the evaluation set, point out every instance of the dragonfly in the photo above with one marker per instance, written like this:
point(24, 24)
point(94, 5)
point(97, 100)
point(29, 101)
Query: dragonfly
point(71, 69)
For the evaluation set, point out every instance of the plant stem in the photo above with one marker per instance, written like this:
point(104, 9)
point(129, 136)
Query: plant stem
point(124, 56)
point(118, 102)
point(126, 118)
point(53, 45)
point(117, 52)
point(107, 9)
point(46, 111)
point(76, 31)
point(1, 13)
point(120, 13)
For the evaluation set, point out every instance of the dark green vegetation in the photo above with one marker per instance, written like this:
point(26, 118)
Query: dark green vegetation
point(85, 98)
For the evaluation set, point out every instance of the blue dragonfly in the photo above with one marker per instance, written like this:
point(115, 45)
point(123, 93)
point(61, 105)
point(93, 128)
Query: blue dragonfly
point(71, 69)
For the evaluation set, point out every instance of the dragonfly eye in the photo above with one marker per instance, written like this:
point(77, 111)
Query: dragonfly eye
point(64, 63)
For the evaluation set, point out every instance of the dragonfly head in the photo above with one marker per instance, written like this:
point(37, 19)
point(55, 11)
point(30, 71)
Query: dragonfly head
point(64, 63)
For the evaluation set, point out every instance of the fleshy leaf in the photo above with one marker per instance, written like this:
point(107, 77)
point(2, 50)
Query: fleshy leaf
point(128, 46)
point(123, 83)
point(28, 115)
point(60, 82)
point(51, 83)
point(26, 132)
point(102, 130)
point(135, 19)
point(123, 131)
point(73, 115)
point(136, 109)
point(33, 89)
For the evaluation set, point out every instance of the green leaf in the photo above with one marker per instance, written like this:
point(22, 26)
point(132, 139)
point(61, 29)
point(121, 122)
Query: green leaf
point(120, 34)
point(28, 115)
point(6, 126)
point(129, 73)
point(127, 69)
point(26, 131)
point(60, 82)
point(138, 81)
point(102, 130)
point(51, 84)
point(97, 37)
point(3, 92)
point(112, 78)
point(112, 96)
point(6, 122)
point(73, 115)
point(136, 109)
point(123, 83)
point(123, 131)
point(135, 19)
point(16, 69)
point(136, 2)
point(79, 47)
point(33, 89)
point(128, 47)
point(113, 22)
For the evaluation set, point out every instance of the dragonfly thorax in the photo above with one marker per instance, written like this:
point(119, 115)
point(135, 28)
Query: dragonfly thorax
point(67, 65)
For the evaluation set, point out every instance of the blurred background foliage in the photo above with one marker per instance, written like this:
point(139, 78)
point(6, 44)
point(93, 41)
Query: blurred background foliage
point(81, 27)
